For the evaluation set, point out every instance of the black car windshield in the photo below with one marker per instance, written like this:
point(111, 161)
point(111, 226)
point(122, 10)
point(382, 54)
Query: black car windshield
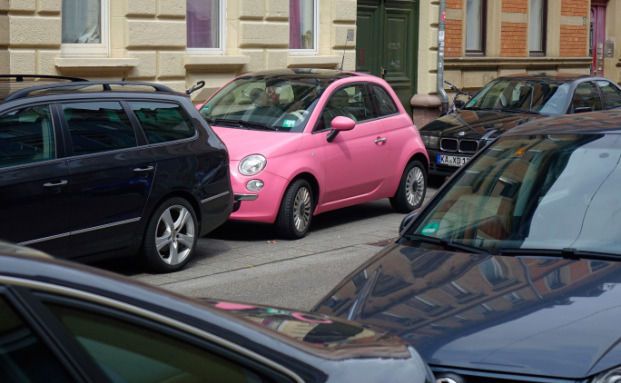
point(529, 96)
point(268, 103)
point(552, 192)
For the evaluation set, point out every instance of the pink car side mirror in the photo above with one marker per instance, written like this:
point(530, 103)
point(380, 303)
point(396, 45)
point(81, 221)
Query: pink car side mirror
point(342, 124)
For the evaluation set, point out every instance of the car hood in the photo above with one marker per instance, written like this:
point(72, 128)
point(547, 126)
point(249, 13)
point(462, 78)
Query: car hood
point(474, 124)
point(331, 338)
point(542, 316)
point(243, 142)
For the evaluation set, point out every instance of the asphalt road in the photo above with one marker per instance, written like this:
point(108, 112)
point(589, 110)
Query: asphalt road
point(248, 263)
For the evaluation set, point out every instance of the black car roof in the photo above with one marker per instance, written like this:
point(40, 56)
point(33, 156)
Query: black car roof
point(557, 77)
point(583, 123)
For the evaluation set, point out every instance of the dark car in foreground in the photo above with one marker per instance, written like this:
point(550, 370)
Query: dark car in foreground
point(101, 169)
point(505, 103)
point(69, 323)
point(512, 272)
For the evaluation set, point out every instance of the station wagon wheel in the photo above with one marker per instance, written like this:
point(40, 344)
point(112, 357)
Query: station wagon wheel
point(412, 188)
point(171, 236)
point(296, 210)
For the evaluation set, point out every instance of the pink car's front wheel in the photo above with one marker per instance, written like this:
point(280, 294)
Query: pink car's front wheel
point(296, 210)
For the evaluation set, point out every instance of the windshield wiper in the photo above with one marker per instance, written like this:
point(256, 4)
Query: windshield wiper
point(509, 110)
point(567, 253)
point(240, 124)
point(446, 244)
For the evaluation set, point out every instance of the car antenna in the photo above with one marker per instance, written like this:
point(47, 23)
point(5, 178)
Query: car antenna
point(348, 38)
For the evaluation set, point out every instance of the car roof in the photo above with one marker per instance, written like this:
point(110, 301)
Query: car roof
point(556, 77)
point(328, 75)
point(601, 122)
point(91, 281)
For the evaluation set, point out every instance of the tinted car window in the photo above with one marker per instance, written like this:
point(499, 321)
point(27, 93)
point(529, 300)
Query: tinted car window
point(131, 353)
point(98, 127)
point(26, 135)
point(612, 94)
point(162, 122)
point(352, 101)
point(23, 357)
point(586, 98)
point(383, 101)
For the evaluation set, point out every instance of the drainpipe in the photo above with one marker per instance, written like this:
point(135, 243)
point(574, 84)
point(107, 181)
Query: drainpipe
point(440, 68)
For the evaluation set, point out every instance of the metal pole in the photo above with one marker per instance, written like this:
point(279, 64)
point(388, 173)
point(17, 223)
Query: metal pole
point(440, 68)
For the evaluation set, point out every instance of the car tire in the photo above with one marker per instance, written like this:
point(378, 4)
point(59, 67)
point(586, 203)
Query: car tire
point(171, 236)
point(412, 188)
point(296, 210)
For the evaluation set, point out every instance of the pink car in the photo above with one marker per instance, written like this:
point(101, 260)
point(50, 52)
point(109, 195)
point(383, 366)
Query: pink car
point(304, 142)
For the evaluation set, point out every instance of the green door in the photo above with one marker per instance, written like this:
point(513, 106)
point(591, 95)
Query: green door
point(386, 43)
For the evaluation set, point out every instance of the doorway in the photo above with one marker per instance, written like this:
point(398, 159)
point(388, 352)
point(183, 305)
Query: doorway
point(598, 36)
point(386, 43)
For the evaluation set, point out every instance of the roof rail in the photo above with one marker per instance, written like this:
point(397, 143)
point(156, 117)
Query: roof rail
point(106, 86)
point(22, 77)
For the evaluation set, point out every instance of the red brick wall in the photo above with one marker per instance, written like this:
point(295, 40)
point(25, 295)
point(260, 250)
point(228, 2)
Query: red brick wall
point(513, 39)
point(454, 31)
point(515, 6)
point(574, 37)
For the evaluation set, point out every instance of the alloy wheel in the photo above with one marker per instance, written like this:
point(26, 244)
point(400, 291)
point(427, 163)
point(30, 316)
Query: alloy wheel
point(415, 186)
point(302, 206)
point(175, 235)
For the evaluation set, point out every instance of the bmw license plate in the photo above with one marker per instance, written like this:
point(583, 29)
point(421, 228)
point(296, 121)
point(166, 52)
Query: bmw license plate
point(456, 161)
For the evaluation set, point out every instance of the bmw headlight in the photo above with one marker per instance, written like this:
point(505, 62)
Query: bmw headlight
point(431, 142)
point(252, 165)
point(612, 376)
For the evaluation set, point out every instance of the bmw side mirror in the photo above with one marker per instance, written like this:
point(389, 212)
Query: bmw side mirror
point(407, 220)
point(340, 124)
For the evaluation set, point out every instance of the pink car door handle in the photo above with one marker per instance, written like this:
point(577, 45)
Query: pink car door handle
point(380, 140)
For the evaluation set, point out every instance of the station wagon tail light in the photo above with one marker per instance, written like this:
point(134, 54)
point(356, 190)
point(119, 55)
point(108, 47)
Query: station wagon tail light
point(612, 376)
point(431, 142)
point(252, 165)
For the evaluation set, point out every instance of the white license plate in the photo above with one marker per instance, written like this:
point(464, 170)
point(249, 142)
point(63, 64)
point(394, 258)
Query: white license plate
point(455, 161)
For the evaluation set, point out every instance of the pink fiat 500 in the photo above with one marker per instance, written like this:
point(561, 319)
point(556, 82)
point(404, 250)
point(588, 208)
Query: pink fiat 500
point(304, 142)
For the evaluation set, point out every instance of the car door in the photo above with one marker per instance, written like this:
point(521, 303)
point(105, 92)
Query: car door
point(610, 93)
point(110, 176)
point(586, 98)
point(33, 180)
point(129, 348)
point(353, 162)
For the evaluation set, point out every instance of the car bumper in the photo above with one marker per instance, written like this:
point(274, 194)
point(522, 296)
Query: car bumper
point(261, 206)
point(215, 211)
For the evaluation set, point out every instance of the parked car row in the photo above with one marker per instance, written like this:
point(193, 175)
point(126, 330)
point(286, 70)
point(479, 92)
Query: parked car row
point(92, 169)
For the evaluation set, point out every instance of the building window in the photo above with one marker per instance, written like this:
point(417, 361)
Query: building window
point(537, 27)
point(303, 25)
point(205, 24)
point(85, 27)
point(475, 27)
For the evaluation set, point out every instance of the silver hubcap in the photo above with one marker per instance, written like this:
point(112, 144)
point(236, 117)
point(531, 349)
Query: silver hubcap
point(302, 209)
point(415, 186)
point(174, 235)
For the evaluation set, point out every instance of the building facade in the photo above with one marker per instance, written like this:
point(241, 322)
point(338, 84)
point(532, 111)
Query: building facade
point(174, 42)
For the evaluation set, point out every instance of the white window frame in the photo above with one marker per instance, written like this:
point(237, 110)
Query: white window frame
point(315, 49)
point(100, 50)
point(221, 35)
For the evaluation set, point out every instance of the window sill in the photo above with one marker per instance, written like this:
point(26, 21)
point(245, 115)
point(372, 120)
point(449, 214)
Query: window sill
point(313, 61)
point(95, 64)
point(209, 61)
point(513, 62)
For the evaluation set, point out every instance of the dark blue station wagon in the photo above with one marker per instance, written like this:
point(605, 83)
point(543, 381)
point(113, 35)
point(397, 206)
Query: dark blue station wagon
point(98, 169)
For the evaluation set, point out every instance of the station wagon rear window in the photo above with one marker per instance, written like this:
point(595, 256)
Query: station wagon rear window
point(162, 122)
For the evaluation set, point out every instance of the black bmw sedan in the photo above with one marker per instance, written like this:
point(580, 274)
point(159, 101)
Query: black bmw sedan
point(505, 103)
point(512, 272)
point(69, 323)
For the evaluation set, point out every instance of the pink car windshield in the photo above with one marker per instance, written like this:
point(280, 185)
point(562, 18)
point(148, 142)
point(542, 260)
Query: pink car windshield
point(266, 103)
